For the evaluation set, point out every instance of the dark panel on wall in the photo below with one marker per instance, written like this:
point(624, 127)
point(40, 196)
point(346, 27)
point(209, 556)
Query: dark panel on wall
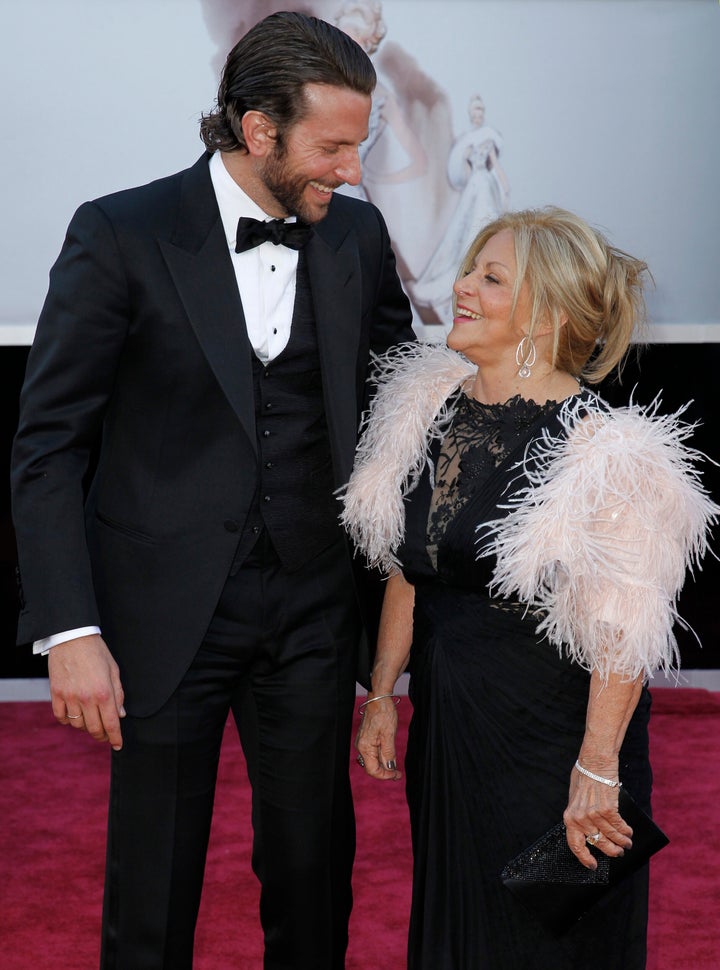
point(14, 661)
point(680, 372)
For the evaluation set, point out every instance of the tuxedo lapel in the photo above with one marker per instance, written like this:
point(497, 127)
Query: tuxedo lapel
point(199, 261)
point(334, 269)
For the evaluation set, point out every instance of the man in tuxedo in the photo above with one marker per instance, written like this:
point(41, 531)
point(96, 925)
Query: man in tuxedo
point(203, 349)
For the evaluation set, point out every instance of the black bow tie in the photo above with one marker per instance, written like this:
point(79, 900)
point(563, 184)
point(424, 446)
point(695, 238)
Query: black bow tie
point(252, 232)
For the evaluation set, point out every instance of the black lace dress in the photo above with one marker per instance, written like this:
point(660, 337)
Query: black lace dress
point(498, 719)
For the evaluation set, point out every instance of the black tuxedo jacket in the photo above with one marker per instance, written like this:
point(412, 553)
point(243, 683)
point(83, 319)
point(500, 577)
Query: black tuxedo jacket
point(141, 368)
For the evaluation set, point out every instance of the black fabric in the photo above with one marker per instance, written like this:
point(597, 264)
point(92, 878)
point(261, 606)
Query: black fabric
point(280, 654)
point(498, 719)
point(155, 362)
point(253, 232)
point(558, 889)
point(295, 473)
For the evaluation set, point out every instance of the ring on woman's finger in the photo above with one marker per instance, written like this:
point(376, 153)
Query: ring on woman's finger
point(73, 717)
point(360, 760)
point(593, 839)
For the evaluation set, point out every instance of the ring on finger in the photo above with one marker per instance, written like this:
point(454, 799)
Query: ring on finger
point(73, 717)
point(593, 839)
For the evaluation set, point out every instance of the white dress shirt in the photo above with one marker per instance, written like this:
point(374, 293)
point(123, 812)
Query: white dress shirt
point(265, 275)
point(266, 280)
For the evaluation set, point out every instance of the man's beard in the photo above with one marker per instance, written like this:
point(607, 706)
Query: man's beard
point(289, 189)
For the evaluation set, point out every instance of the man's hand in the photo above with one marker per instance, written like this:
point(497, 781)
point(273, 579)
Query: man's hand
point(85, 688)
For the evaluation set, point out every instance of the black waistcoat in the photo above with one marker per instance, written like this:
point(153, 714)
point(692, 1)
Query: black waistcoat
point(295, 476)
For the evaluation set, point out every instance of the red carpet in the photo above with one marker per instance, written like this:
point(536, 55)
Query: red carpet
point(53, 787)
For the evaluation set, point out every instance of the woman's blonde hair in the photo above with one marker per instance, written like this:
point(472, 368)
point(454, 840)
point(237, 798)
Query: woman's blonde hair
point(573, 272)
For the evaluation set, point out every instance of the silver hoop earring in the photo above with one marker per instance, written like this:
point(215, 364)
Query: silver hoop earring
point(525, 356)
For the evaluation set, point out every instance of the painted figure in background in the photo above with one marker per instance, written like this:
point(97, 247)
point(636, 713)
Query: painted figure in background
point(411, 132)
point(365, 24)
point(474, 171)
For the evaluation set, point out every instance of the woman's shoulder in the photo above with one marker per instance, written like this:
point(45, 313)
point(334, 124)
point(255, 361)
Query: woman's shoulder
point(417, 361)
point(588, 417)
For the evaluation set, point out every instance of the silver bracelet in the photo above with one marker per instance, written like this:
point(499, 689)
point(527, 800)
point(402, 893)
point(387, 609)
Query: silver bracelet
point(603, 781)
point(361, 709)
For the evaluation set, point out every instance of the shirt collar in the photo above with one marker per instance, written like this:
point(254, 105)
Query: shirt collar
point(232, 201)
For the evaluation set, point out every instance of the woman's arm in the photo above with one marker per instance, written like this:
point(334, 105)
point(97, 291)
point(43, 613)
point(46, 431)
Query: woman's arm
point(593, 805)
point(375, 740)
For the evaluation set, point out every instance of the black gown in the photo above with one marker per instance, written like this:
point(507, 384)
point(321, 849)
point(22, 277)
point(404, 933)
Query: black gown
point(498, 720)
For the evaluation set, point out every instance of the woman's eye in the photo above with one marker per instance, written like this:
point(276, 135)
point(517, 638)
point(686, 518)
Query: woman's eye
point(491, 279)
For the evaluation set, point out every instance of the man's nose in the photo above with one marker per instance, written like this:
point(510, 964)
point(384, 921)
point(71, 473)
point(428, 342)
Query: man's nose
point(350, 170)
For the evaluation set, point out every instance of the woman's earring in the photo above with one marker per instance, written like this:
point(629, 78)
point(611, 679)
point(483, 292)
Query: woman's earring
point(525, 356)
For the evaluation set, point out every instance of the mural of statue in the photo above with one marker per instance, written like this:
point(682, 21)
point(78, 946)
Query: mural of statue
point(474, 172)
point(365, 24)
point(405, 156)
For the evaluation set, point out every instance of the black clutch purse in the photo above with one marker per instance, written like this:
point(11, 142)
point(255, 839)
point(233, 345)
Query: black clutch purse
point(558, 889)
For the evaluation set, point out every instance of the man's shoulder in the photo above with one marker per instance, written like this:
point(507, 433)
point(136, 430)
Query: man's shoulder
point(354, 210)
point(354, 215)
point(156, 195)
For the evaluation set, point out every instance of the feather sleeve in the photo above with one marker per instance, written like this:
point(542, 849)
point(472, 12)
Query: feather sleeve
point(409, 409)
point(601, 536)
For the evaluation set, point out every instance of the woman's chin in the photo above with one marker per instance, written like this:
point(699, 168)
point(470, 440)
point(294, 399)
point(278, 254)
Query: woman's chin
point(456, 338)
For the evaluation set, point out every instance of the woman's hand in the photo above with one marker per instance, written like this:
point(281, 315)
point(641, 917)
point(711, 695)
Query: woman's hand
point(593, 810)
point(375, 741)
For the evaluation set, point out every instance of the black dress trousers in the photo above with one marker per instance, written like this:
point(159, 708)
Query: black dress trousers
point(281, 654)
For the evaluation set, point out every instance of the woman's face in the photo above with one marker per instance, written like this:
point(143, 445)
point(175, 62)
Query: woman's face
point(477, 113)
point(483, 328)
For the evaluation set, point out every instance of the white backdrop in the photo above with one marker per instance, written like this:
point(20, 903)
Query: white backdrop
point(606, 107)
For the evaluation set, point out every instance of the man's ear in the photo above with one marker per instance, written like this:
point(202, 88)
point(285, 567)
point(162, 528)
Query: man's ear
point(259, 132)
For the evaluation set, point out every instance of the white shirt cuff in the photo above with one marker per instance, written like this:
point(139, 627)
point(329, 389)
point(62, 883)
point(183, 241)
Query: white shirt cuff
point(47, 643)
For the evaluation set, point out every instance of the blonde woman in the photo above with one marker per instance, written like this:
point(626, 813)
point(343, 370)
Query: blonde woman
point(535, 542)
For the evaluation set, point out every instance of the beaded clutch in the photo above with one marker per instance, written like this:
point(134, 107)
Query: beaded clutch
point(558, 889)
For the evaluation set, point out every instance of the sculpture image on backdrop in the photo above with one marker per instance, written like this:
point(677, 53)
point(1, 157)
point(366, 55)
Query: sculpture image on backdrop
point(364, 23)
point(475, 172)
point(211, 332)
point(435, 190)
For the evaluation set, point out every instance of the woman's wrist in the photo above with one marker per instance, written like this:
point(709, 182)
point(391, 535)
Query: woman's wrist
point(389, 696)
point(387, 688)
point(612, 782)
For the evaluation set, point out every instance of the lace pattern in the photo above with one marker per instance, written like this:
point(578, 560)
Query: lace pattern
point(478, 440)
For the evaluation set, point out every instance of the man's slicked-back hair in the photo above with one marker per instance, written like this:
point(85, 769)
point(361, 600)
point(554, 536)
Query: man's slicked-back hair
point(268, 69)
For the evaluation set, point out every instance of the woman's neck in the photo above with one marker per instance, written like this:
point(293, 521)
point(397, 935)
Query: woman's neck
point(545, 383)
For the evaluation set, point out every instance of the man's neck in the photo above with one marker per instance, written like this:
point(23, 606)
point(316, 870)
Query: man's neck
point(241, 167)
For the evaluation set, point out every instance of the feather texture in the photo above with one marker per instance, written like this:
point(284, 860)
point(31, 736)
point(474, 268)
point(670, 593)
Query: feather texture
point(600, 538)
point(411, 408)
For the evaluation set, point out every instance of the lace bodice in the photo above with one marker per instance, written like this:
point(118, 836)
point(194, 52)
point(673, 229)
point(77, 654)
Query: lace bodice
point(480, 438)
